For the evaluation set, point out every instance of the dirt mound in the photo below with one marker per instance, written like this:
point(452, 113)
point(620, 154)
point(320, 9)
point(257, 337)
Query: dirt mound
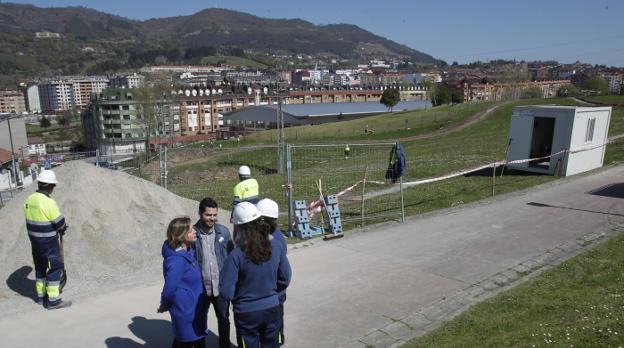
point(117, 224)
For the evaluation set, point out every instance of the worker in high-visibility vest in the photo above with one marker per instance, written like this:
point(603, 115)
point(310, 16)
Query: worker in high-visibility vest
point(45, 223)
point(247, 189)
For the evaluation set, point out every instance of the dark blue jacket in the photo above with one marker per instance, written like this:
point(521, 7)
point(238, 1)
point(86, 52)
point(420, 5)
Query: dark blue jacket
point(253, 287)
point(223, 244)
point(184, 295)
point(397, 165)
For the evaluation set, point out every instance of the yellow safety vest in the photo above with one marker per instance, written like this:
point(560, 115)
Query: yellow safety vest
point(246, 190)
point(43, 217)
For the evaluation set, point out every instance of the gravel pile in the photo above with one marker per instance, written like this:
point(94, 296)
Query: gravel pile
point(117, 224)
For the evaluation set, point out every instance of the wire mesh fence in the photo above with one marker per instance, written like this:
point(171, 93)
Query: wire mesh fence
point(350, 171)
point(204, 171)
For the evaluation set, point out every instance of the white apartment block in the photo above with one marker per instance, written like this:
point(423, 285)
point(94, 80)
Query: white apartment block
point(614, 81)
point(63, 94)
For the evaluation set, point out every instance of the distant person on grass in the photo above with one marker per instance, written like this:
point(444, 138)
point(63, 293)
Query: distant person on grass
point(270, 213)
point(183, 294)
point(213, 246)
point(45, 224)
point(254, 275)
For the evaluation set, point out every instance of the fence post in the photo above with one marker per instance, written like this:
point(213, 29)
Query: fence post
point(493, 178)
point(402, 201)
point(363, 193)
point(290, 188)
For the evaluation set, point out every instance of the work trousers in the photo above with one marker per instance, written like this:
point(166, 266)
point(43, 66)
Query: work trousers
point(222, 311)
point(259, 328)
point(46, 254)
point(281, 339)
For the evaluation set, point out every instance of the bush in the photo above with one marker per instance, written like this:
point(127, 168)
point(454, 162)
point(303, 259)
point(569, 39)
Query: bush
point(597, 84)
point(44, 122)
point(568, 91)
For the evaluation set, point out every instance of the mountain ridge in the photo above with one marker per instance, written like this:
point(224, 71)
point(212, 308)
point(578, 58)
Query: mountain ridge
point(111, 42)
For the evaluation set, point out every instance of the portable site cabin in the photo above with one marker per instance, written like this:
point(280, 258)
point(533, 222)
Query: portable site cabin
point(544, 133)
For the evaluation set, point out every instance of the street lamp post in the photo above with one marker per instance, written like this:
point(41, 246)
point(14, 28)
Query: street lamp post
point(12, 151)
point(280, 134)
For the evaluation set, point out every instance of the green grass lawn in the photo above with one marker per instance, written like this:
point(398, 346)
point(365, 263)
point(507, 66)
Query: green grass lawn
point(580, 303)
point(55, 132)
point(385, 126)
point(35, 129)
point(607, 99)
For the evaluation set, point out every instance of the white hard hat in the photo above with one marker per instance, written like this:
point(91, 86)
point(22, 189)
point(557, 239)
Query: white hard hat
point(245, 212)
point(268, 208)
point(47, 177)
point(244, 170)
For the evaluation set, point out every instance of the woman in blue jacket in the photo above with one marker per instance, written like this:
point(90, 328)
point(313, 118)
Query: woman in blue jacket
point(183, 294)
point(254, 274)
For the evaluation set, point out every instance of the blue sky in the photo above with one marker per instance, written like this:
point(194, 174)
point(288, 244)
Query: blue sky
point(463, 31)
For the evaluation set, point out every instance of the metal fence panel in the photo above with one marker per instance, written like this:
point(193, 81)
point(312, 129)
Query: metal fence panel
point(349, 170)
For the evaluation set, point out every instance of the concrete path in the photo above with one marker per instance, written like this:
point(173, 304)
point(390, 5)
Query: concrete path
point(377, 287)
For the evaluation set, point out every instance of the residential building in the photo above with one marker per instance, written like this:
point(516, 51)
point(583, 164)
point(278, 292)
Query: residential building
point(509, 91)
point(84, 87)
point(36, 147)
point(115, 121)
point(12, 102)
point(127, 81)
point(47, 35)
point(31, 96)
point(66, 93)
point(56, 95)
point(614, 81)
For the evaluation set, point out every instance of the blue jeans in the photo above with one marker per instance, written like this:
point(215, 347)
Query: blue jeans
point(222, 311)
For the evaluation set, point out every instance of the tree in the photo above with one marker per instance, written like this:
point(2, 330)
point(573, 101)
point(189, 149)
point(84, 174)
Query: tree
point(151, 96)
point(430, 87)
point(532, 92)
point(63, 120)
point(443, 93)
point(44, 122)
point(597, 84)
point(390, 98)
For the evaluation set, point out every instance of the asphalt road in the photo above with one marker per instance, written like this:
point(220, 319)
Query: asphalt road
point(379, 286)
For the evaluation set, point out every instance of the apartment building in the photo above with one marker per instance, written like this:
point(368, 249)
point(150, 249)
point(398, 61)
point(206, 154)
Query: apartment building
point(63, 94)
point(509, 91)
point(615, 82)
point(31, 97)
point(12, 102)
point(127, 81)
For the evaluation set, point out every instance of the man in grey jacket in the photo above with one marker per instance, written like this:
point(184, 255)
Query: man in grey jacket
point(213, 245)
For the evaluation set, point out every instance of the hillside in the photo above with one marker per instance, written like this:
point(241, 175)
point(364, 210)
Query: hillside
point(93, 42)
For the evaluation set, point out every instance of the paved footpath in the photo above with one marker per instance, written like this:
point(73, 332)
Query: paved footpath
point(377, 287)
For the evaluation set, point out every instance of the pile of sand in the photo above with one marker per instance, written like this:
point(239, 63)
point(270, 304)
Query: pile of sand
point(117, 224)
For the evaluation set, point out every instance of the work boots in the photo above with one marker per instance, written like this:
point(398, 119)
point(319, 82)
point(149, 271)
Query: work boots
point(58, 304)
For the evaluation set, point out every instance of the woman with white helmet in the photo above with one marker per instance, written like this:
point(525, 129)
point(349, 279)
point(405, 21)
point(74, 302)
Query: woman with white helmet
point(270, 213)
point(253, 275)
